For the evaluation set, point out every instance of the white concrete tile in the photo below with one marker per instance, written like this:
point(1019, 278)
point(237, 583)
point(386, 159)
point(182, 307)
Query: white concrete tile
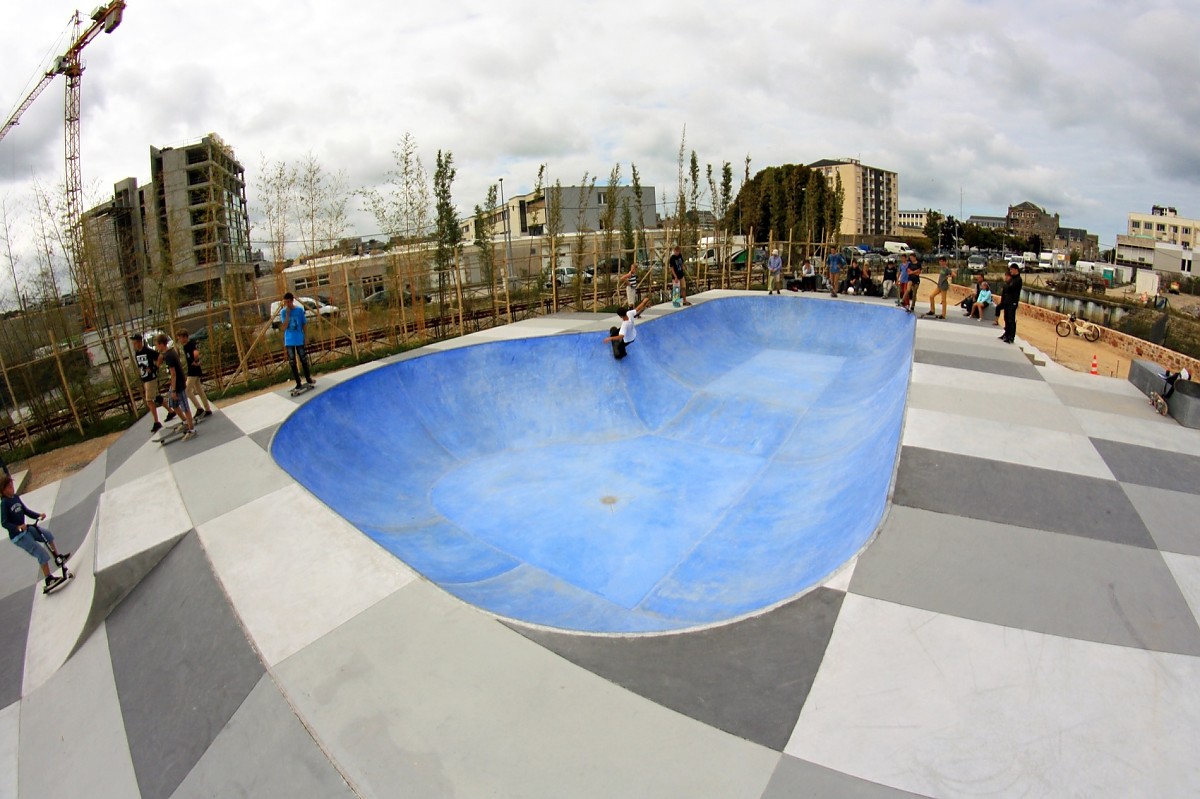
point(150, 457)
point(258, 412)
point(841, 580)
point(72, 732)
point(42, 499)
point(1051, 415)
point(423, 696)
point(999, 441)
point(223, 478)
point(943, 706)
point(138, 515)
point(57, 620)
point(1017, 387)
point(1186, 569)
point(287, 551)
point(1145, 430)
point(10, 738)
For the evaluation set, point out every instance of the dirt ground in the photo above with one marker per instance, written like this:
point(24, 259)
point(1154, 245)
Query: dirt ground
point(48, 467)
point(1073, 352)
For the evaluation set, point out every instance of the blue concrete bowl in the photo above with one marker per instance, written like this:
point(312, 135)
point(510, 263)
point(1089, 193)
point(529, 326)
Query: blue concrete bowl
point(739, 455)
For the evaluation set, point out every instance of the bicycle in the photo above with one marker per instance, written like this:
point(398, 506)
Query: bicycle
point(1080, 327)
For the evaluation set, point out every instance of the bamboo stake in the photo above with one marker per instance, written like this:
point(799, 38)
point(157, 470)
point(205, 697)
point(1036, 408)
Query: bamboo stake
point(66, 386)
point(350, 312)
point(595, 271)
point(13, 397)
point(462, 330)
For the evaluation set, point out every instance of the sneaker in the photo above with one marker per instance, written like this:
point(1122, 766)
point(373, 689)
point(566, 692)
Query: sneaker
point(930, 313)
point(156, 428)
point(170, 416)
point(53, 580)
point(685, 302)
point(312, 382)
point(188, 436)
point(941, 316)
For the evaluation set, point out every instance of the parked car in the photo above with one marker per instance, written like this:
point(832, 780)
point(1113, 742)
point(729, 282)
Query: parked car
point(311, 308)
point(566, 275)
point(216, 330)
point(977, 263)
point(739, 258)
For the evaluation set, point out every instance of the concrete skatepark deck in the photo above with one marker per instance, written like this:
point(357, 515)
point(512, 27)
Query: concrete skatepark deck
point(1024, 624)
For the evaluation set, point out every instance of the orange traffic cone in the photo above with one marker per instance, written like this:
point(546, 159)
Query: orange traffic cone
point(1095, 366)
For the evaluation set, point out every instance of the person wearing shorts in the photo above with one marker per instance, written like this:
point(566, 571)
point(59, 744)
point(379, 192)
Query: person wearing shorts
point(775, 273)
point(177, 390)
point(195, 386)
point(33, 540)
point(146, 359)
point(630, 279)
point(835, 262)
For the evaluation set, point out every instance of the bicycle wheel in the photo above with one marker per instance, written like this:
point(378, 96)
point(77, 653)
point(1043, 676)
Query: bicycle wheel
point(1063, 328)
point(1091, 332)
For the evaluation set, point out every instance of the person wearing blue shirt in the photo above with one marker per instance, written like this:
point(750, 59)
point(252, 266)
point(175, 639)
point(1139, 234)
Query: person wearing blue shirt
point(835, 261)
point(774, 273)
point(291, 319)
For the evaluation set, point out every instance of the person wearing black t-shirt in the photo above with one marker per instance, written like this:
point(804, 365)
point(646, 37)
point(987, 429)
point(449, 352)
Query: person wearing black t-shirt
point(147, 358)
point(195, 388)
point(177, 393)
point(1009, 300)
point(35, 540)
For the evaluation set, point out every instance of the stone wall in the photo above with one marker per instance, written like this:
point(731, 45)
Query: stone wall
point(1131, 346)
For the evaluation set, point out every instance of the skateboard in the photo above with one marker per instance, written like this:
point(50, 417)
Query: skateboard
point(295, 392)
point(175, 432)
point(676, 300)
point(1159, 403)
point(618, 345)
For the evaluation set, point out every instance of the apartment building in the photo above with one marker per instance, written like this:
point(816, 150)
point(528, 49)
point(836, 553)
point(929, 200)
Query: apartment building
point(180, 239)
point(1164, 223)
point(1026, 220)
point(911, 223)
point(872, 197)
point(988, 222)
point(580, 210)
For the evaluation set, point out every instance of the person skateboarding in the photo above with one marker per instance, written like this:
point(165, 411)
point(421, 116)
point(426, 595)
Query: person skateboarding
point(621, 337)
point(35, 540)
point(293, 322)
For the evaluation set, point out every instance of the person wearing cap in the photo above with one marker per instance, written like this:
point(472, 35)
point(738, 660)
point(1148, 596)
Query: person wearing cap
point(147, 359)
point(775, 273)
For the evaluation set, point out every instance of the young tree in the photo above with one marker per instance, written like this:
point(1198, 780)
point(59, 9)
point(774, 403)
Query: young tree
point(278, 185)
point(485, 228)
point(447, 233)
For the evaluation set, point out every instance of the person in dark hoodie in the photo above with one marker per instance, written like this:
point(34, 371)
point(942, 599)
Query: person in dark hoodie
point(13, 513)
point(1009, 299)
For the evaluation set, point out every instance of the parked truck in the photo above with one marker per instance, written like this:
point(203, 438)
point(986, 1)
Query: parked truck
point(897, 248)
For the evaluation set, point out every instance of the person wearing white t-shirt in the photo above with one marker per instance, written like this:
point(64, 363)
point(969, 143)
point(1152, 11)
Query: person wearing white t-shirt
point(626, 334)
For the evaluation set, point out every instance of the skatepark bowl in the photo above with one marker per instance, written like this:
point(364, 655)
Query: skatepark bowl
point(738, 456)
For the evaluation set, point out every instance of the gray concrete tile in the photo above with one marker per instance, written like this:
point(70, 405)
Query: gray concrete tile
point(974, 363)
point(798, 779)
point(15, 611)
point(973, 347)
point(1170, 516)
point(18, 571)
point(72, 735)
point(1049, 583)
point(1146, 466)
point(421, 695)
point(182, 667)
point(70, 527)
point(1100, 399)
point(211, 433)
point(1042, 499)
point(10, 741)
point(749, 678)
point(128, 443)
point(264, 751)
point(993, 407)
point(223, 478)
point(263, 437)
point(82, 485)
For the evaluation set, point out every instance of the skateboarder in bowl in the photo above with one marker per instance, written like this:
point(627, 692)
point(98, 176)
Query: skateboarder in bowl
point(621, 337)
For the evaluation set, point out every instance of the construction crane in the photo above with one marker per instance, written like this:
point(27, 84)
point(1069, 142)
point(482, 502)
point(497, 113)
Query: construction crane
point(106, 18)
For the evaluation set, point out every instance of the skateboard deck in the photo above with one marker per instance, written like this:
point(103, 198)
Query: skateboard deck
point(295, 392)
point(1159, 403)
point(676, 300)
point(618, 345)
point(176, 431)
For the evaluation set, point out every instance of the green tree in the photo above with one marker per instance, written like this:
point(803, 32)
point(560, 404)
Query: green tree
point(447, 233)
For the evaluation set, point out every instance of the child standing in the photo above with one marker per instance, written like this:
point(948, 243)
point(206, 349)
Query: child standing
point(195, 388)
point(12, 515)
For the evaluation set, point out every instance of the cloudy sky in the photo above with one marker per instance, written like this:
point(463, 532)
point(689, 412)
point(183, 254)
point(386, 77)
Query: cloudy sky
point(1087, 108)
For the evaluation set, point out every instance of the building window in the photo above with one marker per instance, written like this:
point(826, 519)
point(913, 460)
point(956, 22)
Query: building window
point(1160, 227)
point(1187, 231)
point(1136, 225)
point(600, 198)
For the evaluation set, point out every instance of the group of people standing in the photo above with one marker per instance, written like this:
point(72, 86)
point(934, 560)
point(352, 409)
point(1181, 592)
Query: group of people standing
point(184, 375)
